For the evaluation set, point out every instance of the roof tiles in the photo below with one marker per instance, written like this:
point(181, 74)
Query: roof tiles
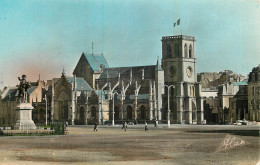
point(95, 61)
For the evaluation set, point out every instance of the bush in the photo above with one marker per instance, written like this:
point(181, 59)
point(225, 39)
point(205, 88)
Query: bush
point(58, 127)
point(78, 122)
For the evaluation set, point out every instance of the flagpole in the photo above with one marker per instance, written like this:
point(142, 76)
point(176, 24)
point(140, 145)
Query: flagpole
point(181, 29)
point(174, 24)
point(173, 30)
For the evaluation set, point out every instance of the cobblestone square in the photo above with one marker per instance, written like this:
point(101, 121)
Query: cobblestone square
point(180, 144)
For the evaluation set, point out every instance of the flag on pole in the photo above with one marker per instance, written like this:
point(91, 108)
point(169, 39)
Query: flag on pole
point(179, 21)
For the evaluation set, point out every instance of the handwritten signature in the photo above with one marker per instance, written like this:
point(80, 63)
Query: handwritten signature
point(230, 142)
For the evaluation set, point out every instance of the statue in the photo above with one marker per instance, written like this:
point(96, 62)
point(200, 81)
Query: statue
point(24, 109)
point(22, 89)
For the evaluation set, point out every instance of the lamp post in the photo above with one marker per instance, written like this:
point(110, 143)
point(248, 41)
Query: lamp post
point(196, 117)
point(46, 115)
point(169, 87)
point(113, 116)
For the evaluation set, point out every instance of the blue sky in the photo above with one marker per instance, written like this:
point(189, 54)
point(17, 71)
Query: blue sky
point(42, 37)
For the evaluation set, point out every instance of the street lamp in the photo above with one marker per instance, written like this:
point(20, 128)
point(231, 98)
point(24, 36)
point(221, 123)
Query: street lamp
point(46, 116)
point(196, 117)
point(113, 117)
point(169, 124)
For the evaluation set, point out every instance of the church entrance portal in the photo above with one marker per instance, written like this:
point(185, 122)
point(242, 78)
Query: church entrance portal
point(129, 112)
point(81, 115)
point(143, 112)
point(116, 113)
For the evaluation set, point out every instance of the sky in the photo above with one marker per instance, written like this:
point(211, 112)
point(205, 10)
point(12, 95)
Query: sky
point(43, 37)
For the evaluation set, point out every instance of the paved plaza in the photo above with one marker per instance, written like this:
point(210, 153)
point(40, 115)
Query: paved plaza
point(180, 144)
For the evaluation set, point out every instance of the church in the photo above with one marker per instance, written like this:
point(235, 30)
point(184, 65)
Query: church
point(166, 91)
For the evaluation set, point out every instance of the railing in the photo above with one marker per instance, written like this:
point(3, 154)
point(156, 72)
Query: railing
point(178, 37)
point(56, 128)
point(37, 132)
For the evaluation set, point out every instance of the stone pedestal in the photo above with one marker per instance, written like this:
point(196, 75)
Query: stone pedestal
point(24, 117)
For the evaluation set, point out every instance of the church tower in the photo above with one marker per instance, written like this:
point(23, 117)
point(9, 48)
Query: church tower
point(179, 65)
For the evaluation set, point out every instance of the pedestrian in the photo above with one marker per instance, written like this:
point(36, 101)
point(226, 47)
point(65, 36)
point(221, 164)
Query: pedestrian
point(145, 128)
point(125, 125)
point(95, 127)
point(155, 123)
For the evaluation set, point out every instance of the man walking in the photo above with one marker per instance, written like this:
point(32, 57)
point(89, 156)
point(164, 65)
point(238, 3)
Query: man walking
point(95, 127)
point(145, 128)
point(124, 125)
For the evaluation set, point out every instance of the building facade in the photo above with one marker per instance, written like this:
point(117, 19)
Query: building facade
point(232, 102)
point(139, 93)
point(179, 65)
point(135, 91)
point(254, 94)
point(68, 99)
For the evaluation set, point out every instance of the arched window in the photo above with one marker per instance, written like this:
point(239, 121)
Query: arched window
point(169, 51)
point(116, 112)
point(176, 50)
point(190, 51)
point(185, 51)
point(82, 115)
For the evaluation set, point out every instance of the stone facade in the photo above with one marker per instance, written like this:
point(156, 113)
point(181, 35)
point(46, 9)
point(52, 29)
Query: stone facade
point(179, 65)
point(254, 94)
point(232, 102)
point(68, 96)
point(137, 93)
point(213, 79)
point(8, 103)
point(169, 89)
point(210, 105)
point(89, 67)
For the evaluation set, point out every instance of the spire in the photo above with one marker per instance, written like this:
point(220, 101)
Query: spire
point(158, 66)
point(142, 74)
point(131, 75)
point(107, 74)
point(63, 71)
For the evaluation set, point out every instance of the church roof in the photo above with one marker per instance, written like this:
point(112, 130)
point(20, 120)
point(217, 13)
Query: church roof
point(81, 83)
point(31, 89)
point(140, 97)
point(239, 83)
point(95, 61)
point(10, 94)
point(149, 72)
